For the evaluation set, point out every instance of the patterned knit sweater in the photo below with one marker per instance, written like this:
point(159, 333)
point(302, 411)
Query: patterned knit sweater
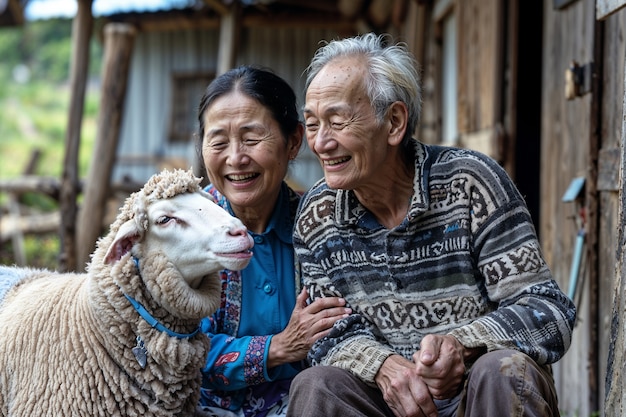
point(465, 261)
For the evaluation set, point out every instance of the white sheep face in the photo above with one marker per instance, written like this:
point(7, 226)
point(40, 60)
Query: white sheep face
point(197, 236)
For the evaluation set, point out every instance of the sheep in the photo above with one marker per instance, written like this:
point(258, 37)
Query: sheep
point(123, 338)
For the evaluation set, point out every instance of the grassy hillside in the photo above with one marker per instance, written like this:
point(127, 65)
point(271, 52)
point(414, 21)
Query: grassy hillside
point(34, 99)
point(34, 116)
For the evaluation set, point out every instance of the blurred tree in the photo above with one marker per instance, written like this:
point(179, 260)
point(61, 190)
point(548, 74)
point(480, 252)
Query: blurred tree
point(44, 48)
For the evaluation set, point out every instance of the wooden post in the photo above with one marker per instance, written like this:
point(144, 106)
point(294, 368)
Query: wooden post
point(119, 39)
point(230, 23)
point(615, 394)
point(81, 36)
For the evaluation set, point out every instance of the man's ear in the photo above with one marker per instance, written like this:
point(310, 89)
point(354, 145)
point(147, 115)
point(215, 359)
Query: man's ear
point(398, 117)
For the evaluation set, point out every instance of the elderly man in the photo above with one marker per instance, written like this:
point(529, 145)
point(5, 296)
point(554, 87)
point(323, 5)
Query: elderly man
point(455, 312)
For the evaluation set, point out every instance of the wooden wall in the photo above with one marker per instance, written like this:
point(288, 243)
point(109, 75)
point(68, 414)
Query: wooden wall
point(574, 136)
point(565, 130)
point(581, 137)
point(611, 133)
point(480, 59)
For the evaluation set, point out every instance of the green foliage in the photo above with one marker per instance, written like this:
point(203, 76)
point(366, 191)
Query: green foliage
point(34, 117)
point(42, 251)
point(44, 47)
point(10, 47)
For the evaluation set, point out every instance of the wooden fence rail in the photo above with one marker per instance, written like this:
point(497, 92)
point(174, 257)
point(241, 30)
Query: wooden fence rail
point(17, 220)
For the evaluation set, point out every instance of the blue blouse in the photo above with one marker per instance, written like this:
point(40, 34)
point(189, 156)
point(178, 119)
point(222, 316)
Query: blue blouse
point(256, 304)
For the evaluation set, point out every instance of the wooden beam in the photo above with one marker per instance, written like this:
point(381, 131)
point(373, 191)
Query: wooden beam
point(326, 6)
point(174, 24)
point(118, 42)
point(299, 21)
point(218, 6)
point(49, 186)
point(81, 35)
point(32, 224)
point(175, 21)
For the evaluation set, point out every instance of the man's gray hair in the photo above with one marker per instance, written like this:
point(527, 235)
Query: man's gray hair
point(393, 73)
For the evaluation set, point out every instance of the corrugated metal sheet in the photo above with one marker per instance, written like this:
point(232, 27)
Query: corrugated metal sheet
point(145, 125)
point(157, 55)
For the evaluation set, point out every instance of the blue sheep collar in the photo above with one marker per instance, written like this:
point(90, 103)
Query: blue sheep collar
point(151, 320)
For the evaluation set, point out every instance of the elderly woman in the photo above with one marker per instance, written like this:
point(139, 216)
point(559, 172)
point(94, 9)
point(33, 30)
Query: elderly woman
point(248, 132)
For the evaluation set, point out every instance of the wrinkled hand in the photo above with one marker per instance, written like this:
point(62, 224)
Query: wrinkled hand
point(403, 389)
point(440, 364)
point(307, 324)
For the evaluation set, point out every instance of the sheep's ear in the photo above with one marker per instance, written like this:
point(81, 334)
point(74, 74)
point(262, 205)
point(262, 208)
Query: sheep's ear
point(125, 238)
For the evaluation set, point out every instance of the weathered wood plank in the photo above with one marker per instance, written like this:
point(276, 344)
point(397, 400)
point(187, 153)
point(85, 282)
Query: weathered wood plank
point(29, 224)
point(119, 40)
point(480, 64)
point(81, 36)
point(608, 169)
point(566, 153)
point(615, 398)
point(229, 32)
point(49, 186)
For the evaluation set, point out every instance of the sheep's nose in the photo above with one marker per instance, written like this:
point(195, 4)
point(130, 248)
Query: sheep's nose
point(237, 230)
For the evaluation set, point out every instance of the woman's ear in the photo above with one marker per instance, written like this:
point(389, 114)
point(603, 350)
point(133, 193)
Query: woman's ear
point(295, 142)
point(397, 115)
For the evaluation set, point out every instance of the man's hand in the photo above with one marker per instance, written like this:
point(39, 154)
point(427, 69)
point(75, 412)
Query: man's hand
point(440, 363)
point(403, 389)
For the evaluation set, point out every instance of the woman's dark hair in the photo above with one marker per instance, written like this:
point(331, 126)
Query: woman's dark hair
point(260, 84)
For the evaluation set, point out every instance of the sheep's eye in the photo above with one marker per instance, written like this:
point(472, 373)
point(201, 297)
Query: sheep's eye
point(164, 219)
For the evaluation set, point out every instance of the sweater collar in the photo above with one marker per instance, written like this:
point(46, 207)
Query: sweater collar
point(348, 209)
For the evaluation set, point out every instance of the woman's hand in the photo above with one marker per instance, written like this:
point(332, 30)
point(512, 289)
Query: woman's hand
point(307, 324)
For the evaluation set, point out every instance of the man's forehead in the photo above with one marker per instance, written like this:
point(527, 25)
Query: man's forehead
point(350, 67)
point(337, 81)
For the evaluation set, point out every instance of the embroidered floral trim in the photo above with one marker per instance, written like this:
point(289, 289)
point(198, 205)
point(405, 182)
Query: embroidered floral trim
point(253, 368)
